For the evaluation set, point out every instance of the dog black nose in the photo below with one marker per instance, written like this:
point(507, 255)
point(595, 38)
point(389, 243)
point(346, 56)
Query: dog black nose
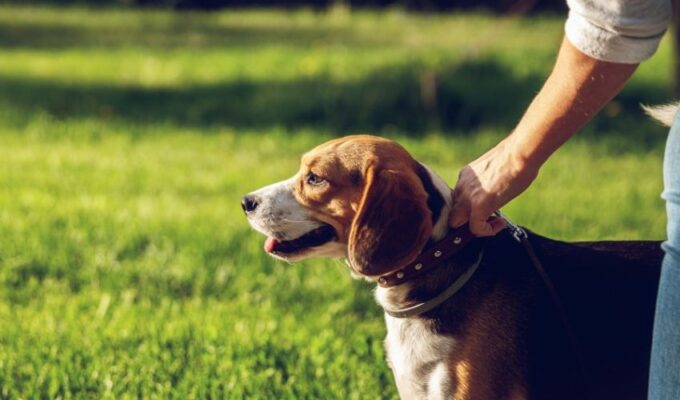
point(249, 204)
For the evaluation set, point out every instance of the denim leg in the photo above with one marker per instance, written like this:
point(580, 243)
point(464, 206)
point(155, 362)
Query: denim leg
point(664, 380)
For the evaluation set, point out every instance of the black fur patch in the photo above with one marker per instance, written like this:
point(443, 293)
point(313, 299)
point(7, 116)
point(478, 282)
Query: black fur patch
point(355, 177)
point(435, 201)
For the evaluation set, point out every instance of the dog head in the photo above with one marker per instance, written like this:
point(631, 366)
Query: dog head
point(360, 197)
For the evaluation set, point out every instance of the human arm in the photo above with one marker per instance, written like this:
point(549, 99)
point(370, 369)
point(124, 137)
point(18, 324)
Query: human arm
point(604, 43)
point(577, 88)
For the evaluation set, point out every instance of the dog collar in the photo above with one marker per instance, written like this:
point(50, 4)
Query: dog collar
point(452, 243)
point(426, 306)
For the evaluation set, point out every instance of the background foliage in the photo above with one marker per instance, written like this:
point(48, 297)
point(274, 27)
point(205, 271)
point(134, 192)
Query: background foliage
point(512, 6)
point(127, 138)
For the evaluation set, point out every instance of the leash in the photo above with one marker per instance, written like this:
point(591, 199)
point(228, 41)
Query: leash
point(450, 245)
point(521, 236)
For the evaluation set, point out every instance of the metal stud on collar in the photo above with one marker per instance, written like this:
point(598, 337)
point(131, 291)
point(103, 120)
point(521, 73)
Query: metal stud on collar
point(454, 241)
point(428, 305)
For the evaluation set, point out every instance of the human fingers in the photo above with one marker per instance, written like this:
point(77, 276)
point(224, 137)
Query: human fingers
point(482, 224)
point(460, 209)
point(497, 224)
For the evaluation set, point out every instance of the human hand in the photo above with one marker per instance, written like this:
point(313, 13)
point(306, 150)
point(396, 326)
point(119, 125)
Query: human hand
point(577, 88)
point(487, 184)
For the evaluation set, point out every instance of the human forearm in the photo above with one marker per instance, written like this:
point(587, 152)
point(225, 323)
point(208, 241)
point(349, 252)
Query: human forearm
point(578, 87)
point(624, 32)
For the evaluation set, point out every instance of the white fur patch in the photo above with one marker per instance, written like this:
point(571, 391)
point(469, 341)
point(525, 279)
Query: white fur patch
point(664, 113)
point(279, 215)
point(418, 359)
point(439, 385)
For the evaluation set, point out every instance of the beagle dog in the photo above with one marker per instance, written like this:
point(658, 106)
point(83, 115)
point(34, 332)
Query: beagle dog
point(500, 335)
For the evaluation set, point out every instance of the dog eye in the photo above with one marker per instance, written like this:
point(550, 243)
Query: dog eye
point(313, 179)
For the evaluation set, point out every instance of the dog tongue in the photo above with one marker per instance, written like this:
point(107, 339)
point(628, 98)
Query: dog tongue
point(270, 244)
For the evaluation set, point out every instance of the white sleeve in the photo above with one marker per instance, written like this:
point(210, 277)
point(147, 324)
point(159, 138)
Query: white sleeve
point(622, 31)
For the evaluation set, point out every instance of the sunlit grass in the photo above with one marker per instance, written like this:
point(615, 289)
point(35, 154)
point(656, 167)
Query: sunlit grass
point(126, 266)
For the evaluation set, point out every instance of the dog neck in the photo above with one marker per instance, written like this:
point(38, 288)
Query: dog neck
point(437, 188)
point(430, 284)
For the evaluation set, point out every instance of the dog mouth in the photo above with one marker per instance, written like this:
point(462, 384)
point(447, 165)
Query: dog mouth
point(314, 238)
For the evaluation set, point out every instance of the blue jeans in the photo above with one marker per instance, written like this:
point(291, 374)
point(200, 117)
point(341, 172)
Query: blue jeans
point(664, 379)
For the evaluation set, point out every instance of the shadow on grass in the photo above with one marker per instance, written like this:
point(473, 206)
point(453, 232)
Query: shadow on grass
point(178, 32)
point(408, 99)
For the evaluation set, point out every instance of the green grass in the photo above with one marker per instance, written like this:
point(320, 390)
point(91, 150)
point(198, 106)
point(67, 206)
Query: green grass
point(128, 137)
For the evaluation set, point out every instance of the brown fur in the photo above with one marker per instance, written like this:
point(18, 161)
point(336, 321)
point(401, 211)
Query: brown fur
point(509, 339)
point(385, 221)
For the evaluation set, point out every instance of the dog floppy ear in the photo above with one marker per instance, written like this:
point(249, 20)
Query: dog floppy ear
point(392, 223)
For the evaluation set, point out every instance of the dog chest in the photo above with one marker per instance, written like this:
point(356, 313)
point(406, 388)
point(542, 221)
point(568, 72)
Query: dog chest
point(418, 358)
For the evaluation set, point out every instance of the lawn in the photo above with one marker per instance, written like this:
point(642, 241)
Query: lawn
point(127, 138)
